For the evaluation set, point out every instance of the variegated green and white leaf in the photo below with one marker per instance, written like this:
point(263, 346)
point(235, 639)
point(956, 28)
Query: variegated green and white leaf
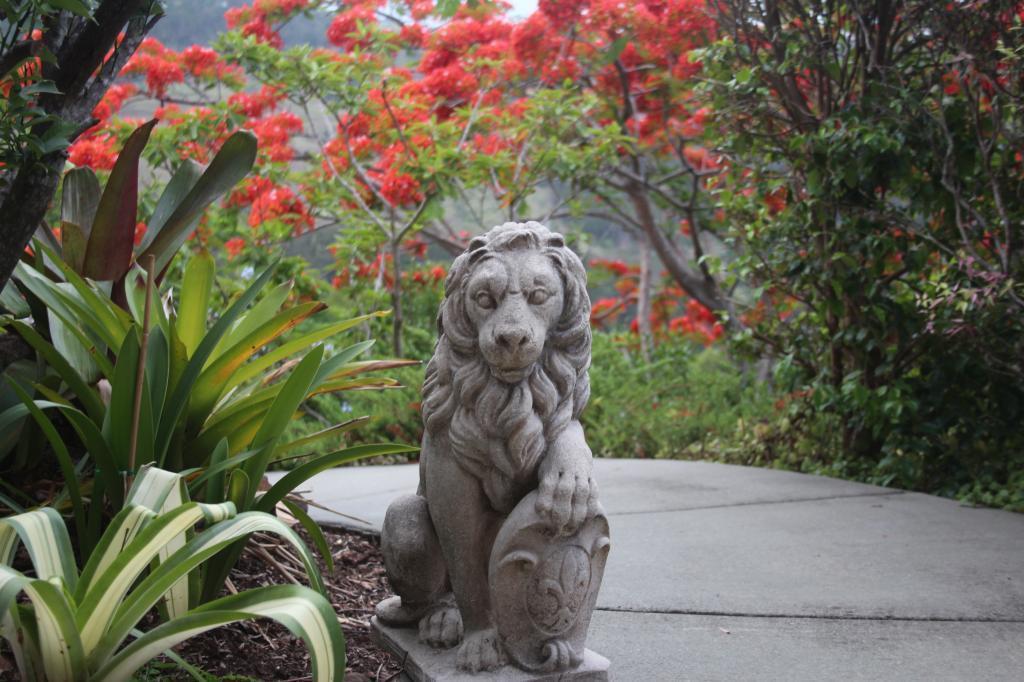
point(45, 537)
point(107, 590)
point(198, 550)
point(122, 530)
point(304, 612)
point(58, 639)
point(161, 491)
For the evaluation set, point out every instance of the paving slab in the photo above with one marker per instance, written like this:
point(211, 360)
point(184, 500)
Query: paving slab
point(681, 648)
point(885, 555)
point(628, 486)
point(812, 578)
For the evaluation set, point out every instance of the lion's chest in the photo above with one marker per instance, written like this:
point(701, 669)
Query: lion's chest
point(507, 471)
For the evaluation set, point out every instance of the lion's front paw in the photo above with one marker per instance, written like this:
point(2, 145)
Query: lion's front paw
point(567, 498)
point(481, 650)
point(442, 627)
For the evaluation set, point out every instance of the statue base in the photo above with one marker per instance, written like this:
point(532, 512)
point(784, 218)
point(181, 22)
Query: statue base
point(423, 663)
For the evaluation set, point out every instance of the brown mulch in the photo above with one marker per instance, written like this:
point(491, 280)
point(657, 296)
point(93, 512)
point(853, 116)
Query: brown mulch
point(267, 651)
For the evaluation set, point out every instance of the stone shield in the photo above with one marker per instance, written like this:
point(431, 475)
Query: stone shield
point(544, 587)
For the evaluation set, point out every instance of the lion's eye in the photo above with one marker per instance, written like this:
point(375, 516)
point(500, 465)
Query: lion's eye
point(538, 296)
point(485, 300)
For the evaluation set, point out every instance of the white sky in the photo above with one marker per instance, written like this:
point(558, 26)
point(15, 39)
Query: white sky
point(523, 8)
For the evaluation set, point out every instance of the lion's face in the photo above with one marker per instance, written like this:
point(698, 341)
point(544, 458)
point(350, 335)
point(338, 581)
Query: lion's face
point(513, 300)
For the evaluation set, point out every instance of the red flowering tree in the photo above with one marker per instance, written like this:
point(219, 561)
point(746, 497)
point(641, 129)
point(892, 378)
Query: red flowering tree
point(412, 112)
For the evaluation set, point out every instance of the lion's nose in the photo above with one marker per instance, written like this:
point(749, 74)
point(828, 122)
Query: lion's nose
point(512, 339)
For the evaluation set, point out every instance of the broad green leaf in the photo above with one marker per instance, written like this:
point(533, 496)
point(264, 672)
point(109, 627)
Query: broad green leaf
point(69, 375)
point(67, 343)
point(301, 474)
point(135, 296)
point(120, 413)
point(13, 302)
point(292, 394)
point(181, 183)
point(195, 296)
point(106, 328)
point(212, 382)
point(229, 166)
point(263, 310)
point(292, 346)
point(72, 245)
point(238, 486)
point(94, 301)
point(176, 404)
point(108, 253)
point(158, 369)
point(79, 199)
point(238, 430)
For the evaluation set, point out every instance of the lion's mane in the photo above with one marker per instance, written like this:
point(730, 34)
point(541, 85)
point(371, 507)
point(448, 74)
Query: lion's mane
point(498, 431)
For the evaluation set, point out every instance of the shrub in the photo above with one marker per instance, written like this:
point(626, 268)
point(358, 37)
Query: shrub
point(688, 399)
point(74, 623)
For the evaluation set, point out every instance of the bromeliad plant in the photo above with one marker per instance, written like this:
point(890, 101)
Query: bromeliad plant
point(74, 624)
point(212, 403)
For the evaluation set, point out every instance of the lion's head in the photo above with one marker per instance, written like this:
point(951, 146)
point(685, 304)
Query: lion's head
point(510, 367)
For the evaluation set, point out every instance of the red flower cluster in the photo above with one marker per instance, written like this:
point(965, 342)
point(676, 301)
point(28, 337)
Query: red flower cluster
point(255, 104)
point(234, 246)
point(162, 67)
point(98, 152)
point(268, 201)
point(258, 20)
point(158, 64)
point(346, 26)
point(274, 133)
point(113, 100)
point(400, 189)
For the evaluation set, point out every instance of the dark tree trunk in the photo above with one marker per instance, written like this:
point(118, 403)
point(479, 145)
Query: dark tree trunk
point(690, 279)
point(79, 71)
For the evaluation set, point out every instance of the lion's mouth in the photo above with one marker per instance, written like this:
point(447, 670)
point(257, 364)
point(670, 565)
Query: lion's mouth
point(511, 375)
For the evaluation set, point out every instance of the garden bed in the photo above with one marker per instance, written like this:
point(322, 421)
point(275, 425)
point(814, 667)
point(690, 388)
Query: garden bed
point(265, 650)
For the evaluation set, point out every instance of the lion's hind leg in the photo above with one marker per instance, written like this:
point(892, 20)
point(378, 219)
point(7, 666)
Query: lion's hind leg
point(414, 563)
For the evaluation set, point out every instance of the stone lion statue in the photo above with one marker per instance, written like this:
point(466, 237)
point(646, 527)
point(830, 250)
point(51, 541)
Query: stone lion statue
point(502, 548)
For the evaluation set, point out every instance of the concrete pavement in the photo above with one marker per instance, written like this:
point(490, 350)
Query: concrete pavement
point(720, 572)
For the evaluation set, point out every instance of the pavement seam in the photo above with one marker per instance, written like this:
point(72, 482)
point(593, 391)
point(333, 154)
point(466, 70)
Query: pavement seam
point(890, 493)
point(811, 616)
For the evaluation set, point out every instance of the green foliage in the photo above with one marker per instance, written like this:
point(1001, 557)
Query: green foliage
point(74, 623)
point(685, 403)
point(878, 232)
